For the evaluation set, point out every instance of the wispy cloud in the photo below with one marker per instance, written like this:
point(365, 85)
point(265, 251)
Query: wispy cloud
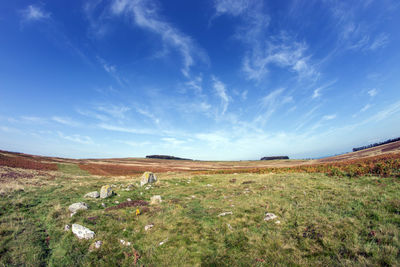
point(65, 121)
point(116, 111)
point(329, 117)
point(372, 92)
point(365, 108)
point(112, 70)
point(221, 92)
point(34, 13)
point(86, 140)
point(148, 114)
point(124, 129)
point(269, 104)
point(145, 15)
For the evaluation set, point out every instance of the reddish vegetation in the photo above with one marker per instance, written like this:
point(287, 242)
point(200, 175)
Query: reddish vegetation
point(382, 165)
point(22, 162)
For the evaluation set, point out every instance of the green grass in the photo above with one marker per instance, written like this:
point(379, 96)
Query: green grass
point(325, 221)
point(72, 169)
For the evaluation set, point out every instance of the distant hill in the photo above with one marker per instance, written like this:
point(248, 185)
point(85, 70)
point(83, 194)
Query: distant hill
point(164, 157)
point(274, 157)
point(376, 144)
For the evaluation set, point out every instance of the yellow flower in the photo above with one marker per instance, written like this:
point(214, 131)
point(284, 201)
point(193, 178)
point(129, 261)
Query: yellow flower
point(137, 212)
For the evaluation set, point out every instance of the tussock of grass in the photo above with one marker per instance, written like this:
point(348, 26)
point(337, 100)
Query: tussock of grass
point(325, 220)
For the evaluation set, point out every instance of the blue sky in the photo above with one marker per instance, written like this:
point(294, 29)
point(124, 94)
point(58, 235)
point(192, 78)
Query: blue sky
point(217, 79)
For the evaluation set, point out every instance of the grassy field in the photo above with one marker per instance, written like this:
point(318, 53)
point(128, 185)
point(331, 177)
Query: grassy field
point(324, 220)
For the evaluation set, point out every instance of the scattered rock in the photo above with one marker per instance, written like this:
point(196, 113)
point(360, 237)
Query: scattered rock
point(225, 213)
point(148, 177)
point(270, 216)
point(74, 208)
point(125, 243)
point(147, 187)
point(67, 228)
point(82, 232)
point(106, 191)
point(278, 222)
point(163, 242)
point(93, 194)
point(154, 200)
point(116, 202)
point(148, 227)
point(229, 226)
point(103, 205)
point(95, 245)
point(209, 185)
point(128, 199)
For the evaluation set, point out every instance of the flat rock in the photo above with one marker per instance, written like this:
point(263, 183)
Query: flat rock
point(148, 227)
point(148, 178)
point(95, 245)
point(82, 232)
point(106, 191)
point(93, 194)
point(154, 200)
point(269, 216)
point(125, 243)
point(225, 213)
point(74, 208)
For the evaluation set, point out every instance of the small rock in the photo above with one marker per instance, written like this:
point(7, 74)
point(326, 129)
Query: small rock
point(163, 242)
point(229, 226)
point(154, 200)
point(67, 228)
point(128, 199)
point(141, 193)
point(148, 227)
point(125, 243)
point(106, 191)
point(147, 187)
point(270, 216)
point(148, 177)
point(278, 222)
point(103, 205)
point(209, 185)
point(116, 202)
point(93, 194)
point(95, 245)
point(225, 213)
point(74, 208)
point(82, 232)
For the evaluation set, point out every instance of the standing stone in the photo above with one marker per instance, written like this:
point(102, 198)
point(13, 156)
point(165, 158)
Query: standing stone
point(148, 177)
point(94, 194)
point(154, 200)
point(74, 208)
point(82, 232)
point(106, 191)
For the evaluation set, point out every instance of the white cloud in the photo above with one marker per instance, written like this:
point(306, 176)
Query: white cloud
point(220, 89)
point(372, 92)
point(116, 111)
point(365, 108)
point(35, 13)
point(232, 7)
point(76, 138)
point(269, 104)
point(65, 121)
point(316, 93)
point(126, 129)
point(145, 15)
point(149, 115)
point(329, 117)
point(282, 51)
point(173, 141)
point(380, 41)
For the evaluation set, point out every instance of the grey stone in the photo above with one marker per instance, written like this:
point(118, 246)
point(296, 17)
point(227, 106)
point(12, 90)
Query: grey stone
point(74, 208)
point(154, 200)
point(93, 194)
point(270, 216)
point(148, 227)
point(148, 178)
point(82, 232)
point(67, 228)
point(106, 191)
point(225, 213)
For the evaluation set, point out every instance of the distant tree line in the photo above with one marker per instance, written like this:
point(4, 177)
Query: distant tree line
point(376, 144)
point(164, 157)
point(275, 157)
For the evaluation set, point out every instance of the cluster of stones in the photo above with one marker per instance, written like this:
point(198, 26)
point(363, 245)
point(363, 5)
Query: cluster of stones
point(106, 191)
